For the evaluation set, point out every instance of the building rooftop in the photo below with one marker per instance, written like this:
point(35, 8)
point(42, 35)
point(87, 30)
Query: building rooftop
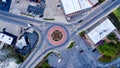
point(5, 5)
point(101, 31)
point(21, 43)
point(71, 6)
point(38, 9)
point(6, 38)
point(4, 1)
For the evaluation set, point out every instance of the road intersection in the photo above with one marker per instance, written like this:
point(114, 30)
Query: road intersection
point(43, 45)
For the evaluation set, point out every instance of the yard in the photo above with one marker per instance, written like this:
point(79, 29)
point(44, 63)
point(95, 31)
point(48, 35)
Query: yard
point(109, 51)
point(13, 53)
point(115, 18)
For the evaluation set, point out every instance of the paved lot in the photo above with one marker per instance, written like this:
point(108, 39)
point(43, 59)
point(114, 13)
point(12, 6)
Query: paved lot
point(16, 8)
point(52, 11)
point(74, 59)
point(11, 28)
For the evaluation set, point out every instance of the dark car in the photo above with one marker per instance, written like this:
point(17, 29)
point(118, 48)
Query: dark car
point(80, 51)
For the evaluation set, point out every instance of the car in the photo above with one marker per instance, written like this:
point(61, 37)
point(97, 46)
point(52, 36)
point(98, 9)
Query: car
point(80, 21)
point(41, 16)
point(80, 51)
point(30, 25)
point(58, 5)
point(94, 50)
point(60, 59)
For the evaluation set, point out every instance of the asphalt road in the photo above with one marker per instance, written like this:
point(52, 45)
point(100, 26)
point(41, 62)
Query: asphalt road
point(90, 19)
point(98, 14)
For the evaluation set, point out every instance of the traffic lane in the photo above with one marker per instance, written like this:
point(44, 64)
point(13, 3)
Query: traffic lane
point(19, 17)
point(99, 9)
point(3, 18)
point(97, 18)
point(38, 58)
point(96, 11)
point(37, 47)
point(26, 19)
point(35, 60)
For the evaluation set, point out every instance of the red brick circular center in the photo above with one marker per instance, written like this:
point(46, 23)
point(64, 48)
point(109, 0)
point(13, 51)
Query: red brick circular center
point(56, 35)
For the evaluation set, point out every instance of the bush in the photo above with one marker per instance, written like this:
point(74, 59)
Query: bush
point(14, 54)
point(112, 37)
point(108, 49)
point(43, 65)
point(100, 1)
point(105, 59)
point(49, 19)
point(117, 13)
point(82, 33)
point(71, 45)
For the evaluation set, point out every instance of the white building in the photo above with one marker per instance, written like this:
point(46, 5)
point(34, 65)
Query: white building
point(21, 43)
point(72, 6)
point(6, 38)
point(4, 1)
point(101, 31)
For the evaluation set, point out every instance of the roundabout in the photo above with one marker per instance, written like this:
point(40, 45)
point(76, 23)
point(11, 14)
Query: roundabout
point(57, 35)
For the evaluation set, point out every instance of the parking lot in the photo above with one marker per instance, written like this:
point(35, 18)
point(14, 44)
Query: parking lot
point(52, 11)
point(17, 7)
point(9, 28)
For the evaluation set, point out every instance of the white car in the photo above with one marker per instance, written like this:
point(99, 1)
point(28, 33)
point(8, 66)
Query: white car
point(60, 59)
point(30, 25)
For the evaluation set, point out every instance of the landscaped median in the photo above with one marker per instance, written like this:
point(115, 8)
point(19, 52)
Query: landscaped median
point(71, 45)
point(51, 19)
point(100, 1)
point(110, 49)
point(82, 34)
point(44, 63)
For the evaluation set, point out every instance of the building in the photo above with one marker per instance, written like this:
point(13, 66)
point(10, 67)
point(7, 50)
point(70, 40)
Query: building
point(36, 10)
point(5, 5)
point(4, 1)
point(21, 43)
point(73, 6)
point(5, 38)
point(101, 31)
